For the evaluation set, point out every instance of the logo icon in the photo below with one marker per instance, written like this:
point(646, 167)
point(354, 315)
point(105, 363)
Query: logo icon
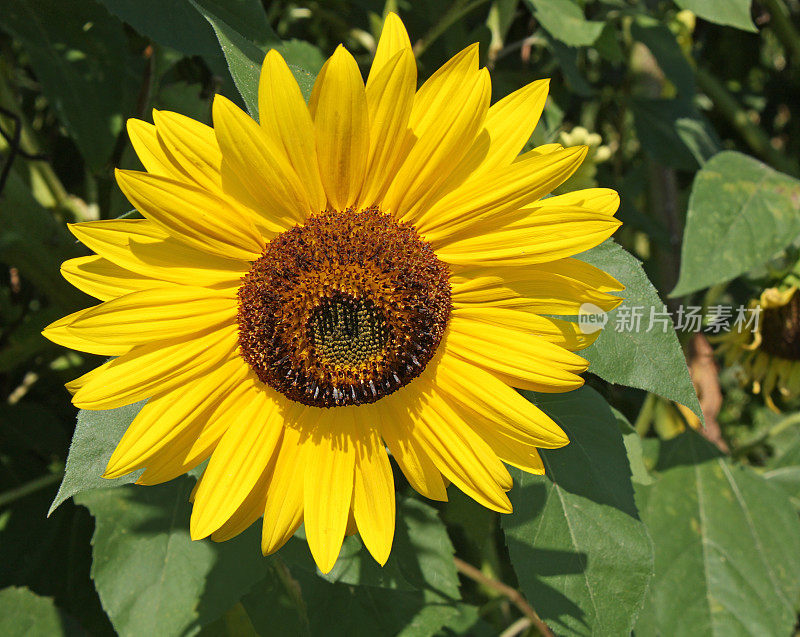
point(591, 318)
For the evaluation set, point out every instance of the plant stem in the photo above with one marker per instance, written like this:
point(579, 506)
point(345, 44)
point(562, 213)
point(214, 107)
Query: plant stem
point(458, 9)
point(753, 135)
point(781, 23)
point(33, 486)
point(513, 595)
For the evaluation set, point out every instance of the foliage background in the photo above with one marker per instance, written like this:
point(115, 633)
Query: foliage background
point(655, 527)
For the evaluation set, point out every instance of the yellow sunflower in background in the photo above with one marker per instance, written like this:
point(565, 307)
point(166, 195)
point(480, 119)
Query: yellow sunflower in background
point(768, 350)
point(368, 270)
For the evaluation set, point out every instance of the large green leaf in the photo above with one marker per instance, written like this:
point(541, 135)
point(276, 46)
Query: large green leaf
point(151, 577)
point(25, 614)
point(96, 436)
point(626, 355)
point(343, 608)
point(79, 53)
point(245, 57)
point(581, 554)
point(727, 547)
point(52, 556)
point(734, 13)
point(741, 213)
point(564, 20)
point(421, 549)
point(172, 23)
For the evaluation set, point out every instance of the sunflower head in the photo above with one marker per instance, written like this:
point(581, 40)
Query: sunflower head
point(369, 274)
point(768, 352)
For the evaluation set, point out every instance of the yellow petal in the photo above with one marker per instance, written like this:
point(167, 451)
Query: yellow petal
point(496, 193)
point(58, 332)
point(285, 118)
point(566, 334)
point(516, 354)
point(448, 113)
point(476, 389)
point(167, 415)
point(536, 236)
point(283, 509)
point(373, 495)
point(195, 443)
point(151, 152)
point(193, 145)
point(256, 170)
point(510, 123)
point(249, 510)
point(603, 200)
point(196, 217)
point(394, 38)
point(237, 463)
point(416, 465)
point(555, 287)
point(157, 314)
point(174, 261)
point(103, 279)
point(390, 96)
point(140, 246)
point(329, 484)
point(155, 367)
point(338, 105)
point(461, 455)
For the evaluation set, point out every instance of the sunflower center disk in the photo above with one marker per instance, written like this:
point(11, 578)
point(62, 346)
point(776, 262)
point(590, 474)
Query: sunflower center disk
point(343, 310)
point(780, 329)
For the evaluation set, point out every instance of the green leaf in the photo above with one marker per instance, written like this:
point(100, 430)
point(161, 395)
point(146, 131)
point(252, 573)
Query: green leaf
point(151, 577)
point(345, 609)
point(25, 614)
point(245, 57)
point(421, 550)
point(52, 556)
point(783, 469)
point(80, 55)
point(633, 447)
point(172, 23)
point(96, 436)
point(734, 13)
point(667, 52)
point(564, 20)
point(673, 132)
point(659, 365)
point(275, 604)
point(727, 547)
point(581, 554)
point(741, 213)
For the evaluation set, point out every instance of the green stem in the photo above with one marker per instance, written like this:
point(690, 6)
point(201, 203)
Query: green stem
point(458, 9)
point(753, 135)
point(26, 489)
point(781, 23)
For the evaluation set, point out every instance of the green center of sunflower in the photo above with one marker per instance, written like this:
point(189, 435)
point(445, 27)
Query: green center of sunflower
point(348, 331)
point(780, 330)
point(343, 310)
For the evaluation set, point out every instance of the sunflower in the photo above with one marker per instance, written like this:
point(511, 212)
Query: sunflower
point(370, 271)
point(767, 350)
